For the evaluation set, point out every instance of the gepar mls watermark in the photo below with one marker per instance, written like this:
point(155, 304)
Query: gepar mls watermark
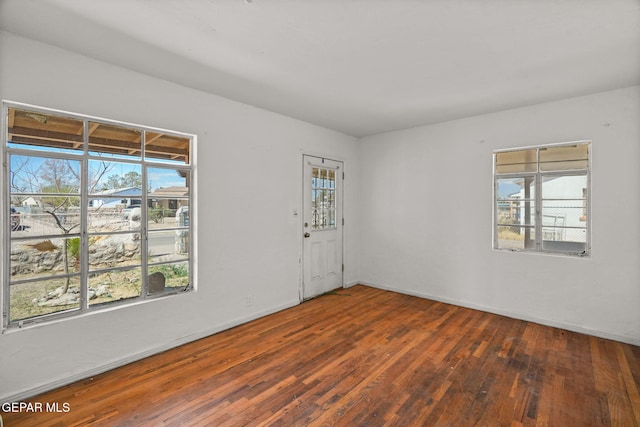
point(35, 407)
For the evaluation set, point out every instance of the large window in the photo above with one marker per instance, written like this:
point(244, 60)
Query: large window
point(97, 214)
point(542, 199)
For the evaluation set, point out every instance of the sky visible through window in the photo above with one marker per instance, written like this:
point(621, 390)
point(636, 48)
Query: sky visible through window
point(28, 168)
point(506, 189)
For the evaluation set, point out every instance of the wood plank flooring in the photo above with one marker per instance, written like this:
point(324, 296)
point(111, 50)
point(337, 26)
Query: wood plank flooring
point(366, 357)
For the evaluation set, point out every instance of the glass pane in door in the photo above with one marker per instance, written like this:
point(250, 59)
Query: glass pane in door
point(323, 196)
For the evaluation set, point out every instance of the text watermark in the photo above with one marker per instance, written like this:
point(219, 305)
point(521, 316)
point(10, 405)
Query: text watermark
point(53, 407)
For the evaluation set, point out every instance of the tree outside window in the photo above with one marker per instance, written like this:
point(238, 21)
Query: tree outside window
point(87, 238)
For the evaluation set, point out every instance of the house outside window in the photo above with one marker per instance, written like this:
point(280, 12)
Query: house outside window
point(541, 199)
point(88, 237)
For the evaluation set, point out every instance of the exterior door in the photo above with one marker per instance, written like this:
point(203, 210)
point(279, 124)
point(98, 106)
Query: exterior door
point(322, 226)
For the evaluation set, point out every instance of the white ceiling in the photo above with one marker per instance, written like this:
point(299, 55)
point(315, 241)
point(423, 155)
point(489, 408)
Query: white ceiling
point(357, 66)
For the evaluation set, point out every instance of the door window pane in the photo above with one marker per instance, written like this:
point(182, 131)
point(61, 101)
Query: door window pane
point(323, 198)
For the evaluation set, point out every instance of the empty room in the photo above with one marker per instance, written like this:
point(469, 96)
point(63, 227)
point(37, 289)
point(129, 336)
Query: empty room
point(310, 213)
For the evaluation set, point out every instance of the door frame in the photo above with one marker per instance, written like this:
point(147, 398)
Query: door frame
point(341, 199)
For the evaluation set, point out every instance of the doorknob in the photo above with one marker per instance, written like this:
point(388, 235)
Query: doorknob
point(307, 234)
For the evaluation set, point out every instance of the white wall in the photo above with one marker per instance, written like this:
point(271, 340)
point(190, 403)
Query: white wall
point(249, 166)
point(426, 216)
point(410, 230)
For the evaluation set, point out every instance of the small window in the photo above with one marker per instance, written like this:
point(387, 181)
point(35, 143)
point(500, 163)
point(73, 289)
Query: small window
point(542, 199)
point(99, 214)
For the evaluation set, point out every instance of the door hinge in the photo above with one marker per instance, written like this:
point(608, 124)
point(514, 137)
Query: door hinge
point(343, 268)
point(342, 175)
point(342, 221)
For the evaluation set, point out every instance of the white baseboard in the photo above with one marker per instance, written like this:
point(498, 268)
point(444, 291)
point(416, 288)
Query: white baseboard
point(230, 324)
point(519, 316)
point(34, 391)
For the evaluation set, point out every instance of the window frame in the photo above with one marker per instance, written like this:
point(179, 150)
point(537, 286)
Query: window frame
point(84, 156)
point(538, 177)
point(323, 199)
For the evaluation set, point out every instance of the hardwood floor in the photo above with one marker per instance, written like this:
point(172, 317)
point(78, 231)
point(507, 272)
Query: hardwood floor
point(366, 357)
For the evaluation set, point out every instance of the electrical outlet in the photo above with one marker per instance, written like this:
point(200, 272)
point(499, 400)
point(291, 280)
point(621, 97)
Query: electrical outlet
point(249, 301)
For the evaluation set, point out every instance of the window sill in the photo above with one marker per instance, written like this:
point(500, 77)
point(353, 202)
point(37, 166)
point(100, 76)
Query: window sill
point(98, 309)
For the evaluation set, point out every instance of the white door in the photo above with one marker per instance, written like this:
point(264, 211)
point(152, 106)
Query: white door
point(322, 222)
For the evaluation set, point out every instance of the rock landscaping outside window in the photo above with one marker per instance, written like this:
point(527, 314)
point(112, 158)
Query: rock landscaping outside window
point(99, 214)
